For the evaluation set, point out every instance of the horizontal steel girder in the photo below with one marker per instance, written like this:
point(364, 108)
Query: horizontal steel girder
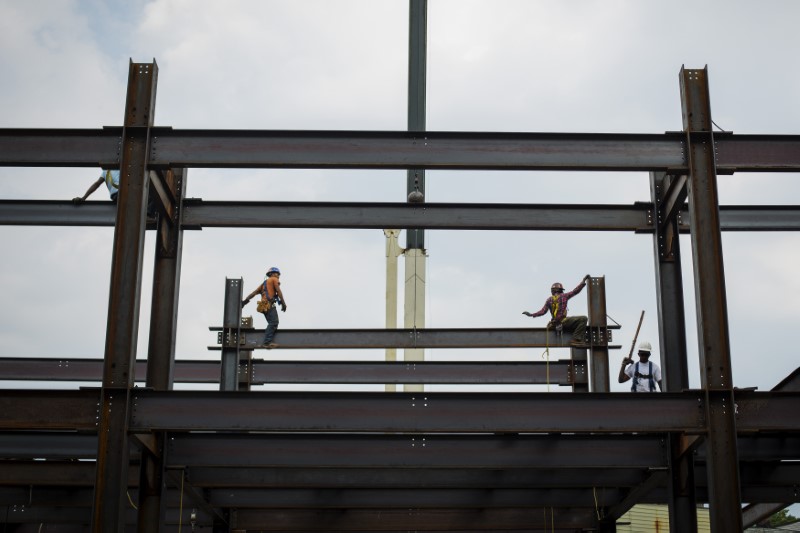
point(399, 150)
point(423, 412)
point(396, 451)
point(576, 217)
point(366, 498)
point(416, 451)
point(401, 412)
point(62, 516)
point(419, 497)
point(416, 519)
point(363, 520)
point(404, 338)
point(339, 372)
point(81, 474)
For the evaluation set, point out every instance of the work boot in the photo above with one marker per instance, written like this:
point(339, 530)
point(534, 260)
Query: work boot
point(579, 343)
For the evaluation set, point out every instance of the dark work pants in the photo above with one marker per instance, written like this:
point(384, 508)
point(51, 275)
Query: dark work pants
point(577, 325)
point(272, 323)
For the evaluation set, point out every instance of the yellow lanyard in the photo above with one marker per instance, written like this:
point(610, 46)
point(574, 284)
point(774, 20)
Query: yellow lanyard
point(554, 307)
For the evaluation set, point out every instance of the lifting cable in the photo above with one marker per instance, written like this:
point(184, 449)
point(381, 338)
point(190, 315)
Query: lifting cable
point(180, 511)
point(546, 353)
point(596, 507)
point(131, 501)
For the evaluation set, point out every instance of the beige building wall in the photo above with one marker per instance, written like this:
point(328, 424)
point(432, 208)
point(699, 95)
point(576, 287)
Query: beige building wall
point(655, 519)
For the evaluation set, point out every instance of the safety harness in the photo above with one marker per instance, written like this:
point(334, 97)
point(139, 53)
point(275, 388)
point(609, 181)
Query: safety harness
point(558, 327)
point(637, 375)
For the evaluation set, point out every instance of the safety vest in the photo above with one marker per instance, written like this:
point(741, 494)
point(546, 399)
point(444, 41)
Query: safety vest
point(650, 377)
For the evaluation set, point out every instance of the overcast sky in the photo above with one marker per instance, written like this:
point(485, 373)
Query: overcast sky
point(547, 66)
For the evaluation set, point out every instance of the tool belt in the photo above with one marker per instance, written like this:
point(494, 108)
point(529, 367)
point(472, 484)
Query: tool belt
point(264, 305)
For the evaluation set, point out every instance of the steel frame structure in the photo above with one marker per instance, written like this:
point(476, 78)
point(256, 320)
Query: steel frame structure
point(241, 460)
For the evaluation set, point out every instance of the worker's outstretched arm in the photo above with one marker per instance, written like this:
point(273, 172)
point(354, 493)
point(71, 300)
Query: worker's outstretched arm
point(623, 377)
point(90, 190)
point(540, 312)
point(579, 288)
point(250, 296)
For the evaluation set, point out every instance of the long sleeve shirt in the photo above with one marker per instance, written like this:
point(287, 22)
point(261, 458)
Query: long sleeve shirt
point(557, 304)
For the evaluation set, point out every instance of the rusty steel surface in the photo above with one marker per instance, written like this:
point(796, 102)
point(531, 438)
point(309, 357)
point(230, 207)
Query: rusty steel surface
point(712, 308)
point(124, 301)
point(387, 462)
point(387, 149)
point(669, 287)
point(199, 214)
point(414, 412)
point(414, 451)
point(48, 409)
point(413, 519)
point(405, 338)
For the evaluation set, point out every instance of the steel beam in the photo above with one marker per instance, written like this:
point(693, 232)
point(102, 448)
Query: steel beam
point(669, 289)
point(408, 412)
point(166, 288)
point(124, 298)
point(563, 372)
point(597, 329)
point(415, 519)
point(668, 193)
point(49, 409)
point(420, 412)
point(23, 514)
point(790, 383)
point(712, 318)
point(387, 149)
point(417, 76)
point(754, 513)
point(405, 338)
point(53, 473)
point(171, 187)
point(493, 474)
point(755, 153)
point(230, 335)
point(198, 214)
point(430, 477)
point(61, 147)
point(49, 369)
point(417, 451)
point(424, 372)
point(413, 498)
point(672, 199)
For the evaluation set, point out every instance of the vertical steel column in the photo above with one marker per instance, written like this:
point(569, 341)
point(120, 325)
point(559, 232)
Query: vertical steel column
point(712, 318)
point(245, 360)
point(579, 356)
point(161, 349)
point(598, 335)
point(417, 69)
point(231, 325)
point(414, 302)
point(166, 289)
point(111, 483)
point(669, 287)
point(672, 338)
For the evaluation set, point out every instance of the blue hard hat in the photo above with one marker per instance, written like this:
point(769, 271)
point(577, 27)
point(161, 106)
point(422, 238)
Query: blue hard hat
point(274, 270)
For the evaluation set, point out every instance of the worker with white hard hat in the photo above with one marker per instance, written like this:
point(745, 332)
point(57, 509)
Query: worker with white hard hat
point(644, 373)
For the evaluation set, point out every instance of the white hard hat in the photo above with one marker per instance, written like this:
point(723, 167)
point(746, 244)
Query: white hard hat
point(645, 347)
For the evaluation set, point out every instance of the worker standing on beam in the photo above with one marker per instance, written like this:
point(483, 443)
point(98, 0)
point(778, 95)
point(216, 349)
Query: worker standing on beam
point(645, 373)
point(559, 321)
point(271, 297)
